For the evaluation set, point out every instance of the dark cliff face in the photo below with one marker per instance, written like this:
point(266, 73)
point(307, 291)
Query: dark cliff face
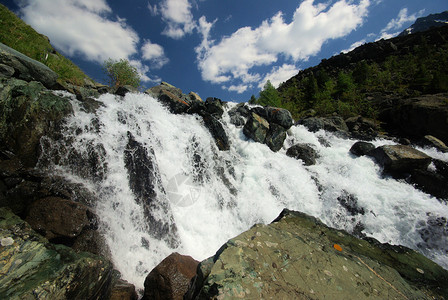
point(426, 23)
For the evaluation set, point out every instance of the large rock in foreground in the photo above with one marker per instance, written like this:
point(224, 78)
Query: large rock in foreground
point(298, 257)
point(170, 278)
point(32, 268)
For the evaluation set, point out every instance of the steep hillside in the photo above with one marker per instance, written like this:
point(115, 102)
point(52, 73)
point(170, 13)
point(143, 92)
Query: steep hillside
point(428, 22)
point(351, 83)
point(18, 35)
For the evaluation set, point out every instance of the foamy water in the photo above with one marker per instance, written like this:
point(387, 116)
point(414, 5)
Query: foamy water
point(226, 192)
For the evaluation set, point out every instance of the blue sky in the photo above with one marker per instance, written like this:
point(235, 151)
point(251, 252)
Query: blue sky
point(225, 49)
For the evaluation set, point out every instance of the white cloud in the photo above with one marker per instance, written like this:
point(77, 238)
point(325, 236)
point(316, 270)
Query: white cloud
point(236, 88)
point(279, 75)
point(155, 54)
point(79, 27)
point(354, 46)
point(143, 71)
point(177, 16)
point(235, 56)
point(398, 22)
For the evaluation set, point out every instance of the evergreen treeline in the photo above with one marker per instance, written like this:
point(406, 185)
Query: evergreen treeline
point(349, 90)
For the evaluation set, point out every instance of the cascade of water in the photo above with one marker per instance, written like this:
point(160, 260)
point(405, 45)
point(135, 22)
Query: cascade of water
point(163, 185)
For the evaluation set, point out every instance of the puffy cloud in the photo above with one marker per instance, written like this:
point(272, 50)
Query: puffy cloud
point(234, 57)
point(143, 71)
point(177, 16)
point(80, 27)
point(155, 54)
point(236, 88)
point(397, 23)
point(354, 45)
point(279, 75)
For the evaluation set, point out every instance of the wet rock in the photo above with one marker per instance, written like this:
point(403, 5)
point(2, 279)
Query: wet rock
point(361, 148)
point(298, 257)
point(238, 114)
point(57, 218)
point(217, 131)
point(362, 128)
point(214, 107)
point(279, 116)
point(399, 160)
point(434, 232)
point(32, 268)
point(176, 104)
point(26, 68)
point(123, 90)
point(123, 290)
point(441, 167)
point(238, 121)
point(92, 241)
point(275, 137)
point(350, 203)
point(27, 112)
point(431, 141)
point(304, 152)
point(143, 178)
point(430, 182)
point(256, 128)
point(170, 278)
point(332, 124)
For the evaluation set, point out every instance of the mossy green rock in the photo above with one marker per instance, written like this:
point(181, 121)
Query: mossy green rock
point(27, 112)
point(298, 257)
point(32, 268)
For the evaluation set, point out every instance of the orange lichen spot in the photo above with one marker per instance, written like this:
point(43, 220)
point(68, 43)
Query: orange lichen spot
point(337, 247)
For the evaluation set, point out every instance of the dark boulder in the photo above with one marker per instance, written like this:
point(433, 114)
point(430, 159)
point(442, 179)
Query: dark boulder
point(26, 68)
point(6, 71)
point(27, 112)
point(175, 104)
point(33, 268)
point(417, 117)
point(361, 148)
point(217, 131)
point(350, 203)
point(124, 89)
point(123, 290)
point(362, 128)
point(170, 279)
point(256, 128)
point(144, 179)
point(60, 219)
point(332, 124)
point(238, 114)
point(399, 160)
point(214, 107)
point(441, 167)
point(275, 137)
point(304, 152)
point(430, 182)
point(156, 91)
point(431, 141)
point(279, 116)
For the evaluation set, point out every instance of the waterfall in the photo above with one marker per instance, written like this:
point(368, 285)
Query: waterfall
point(162, 185)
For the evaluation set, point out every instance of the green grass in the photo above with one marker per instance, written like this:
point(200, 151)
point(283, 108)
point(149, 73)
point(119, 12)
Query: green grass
point(18, 35)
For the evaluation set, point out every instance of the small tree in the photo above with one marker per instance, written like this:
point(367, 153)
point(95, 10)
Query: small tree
point(120, 72)
point(269, 95)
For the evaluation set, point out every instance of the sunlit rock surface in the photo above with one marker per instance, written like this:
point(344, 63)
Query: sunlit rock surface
point(298, 257)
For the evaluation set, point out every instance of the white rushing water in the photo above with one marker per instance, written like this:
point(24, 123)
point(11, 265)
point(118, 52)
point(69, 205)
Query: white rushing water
point(226, 192)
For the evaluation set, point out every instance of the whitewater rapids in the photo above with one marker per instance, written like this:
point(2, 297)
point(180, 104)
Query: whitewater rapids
point(215, 195)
